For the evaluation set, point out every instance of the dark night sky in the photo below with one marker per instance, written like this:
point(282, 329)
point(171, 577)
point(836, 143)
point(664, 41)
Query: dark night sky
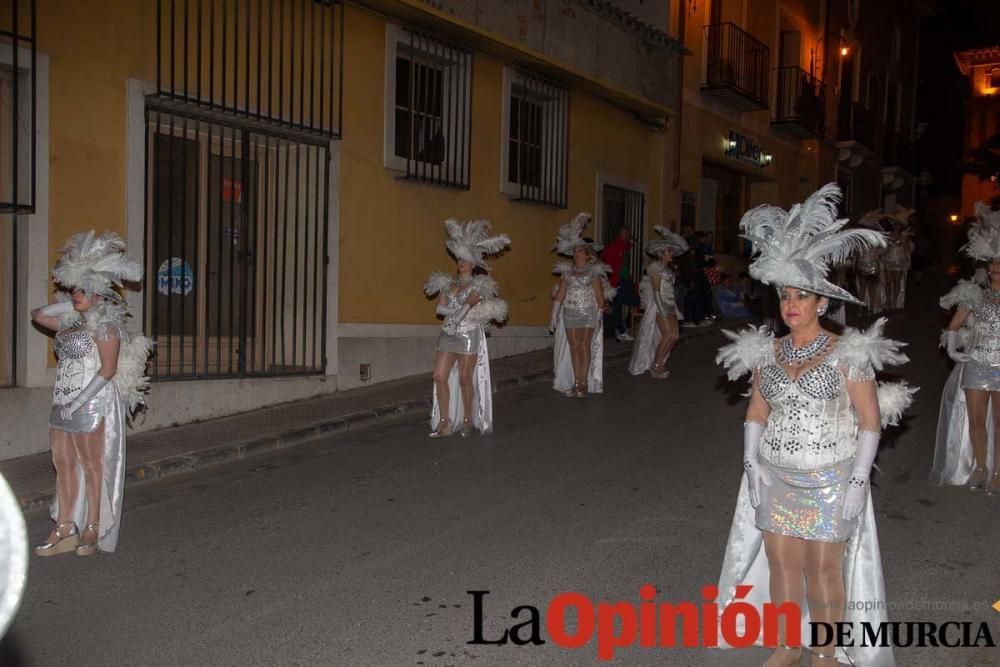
point(942, 90)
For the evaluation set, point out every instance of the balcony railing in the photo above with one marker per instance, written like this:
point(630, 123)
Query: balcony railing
point(898, 151)
point(856, 123)
point(800, 103)
point(736, 67)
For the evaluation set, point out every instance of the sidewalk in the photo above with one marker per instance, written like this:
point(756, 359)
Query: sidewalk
point(180, 449)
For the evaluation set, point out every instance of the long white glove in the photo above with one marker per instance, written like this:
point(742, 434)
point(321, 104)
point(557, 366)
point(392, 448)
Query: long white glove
point(56, 309)
point(90, 391)
point(445, 310)
point(857, 483)
point(554, 319)
point(452, 321)
point(756, 474)
point(953, 344)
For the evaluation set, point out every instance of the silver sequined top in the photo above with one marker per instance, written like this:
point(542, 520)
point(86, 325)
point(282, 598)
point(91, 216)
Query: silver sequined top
point(580, 290)
point(78, 357)
point(812, 424)
point(665, 299)
point(985, 345)
point(455, 300)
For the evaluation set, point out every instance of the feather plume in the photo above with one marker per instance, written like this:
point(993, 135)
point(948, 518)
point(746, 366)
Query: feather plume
point(570, 236)
point(797, 248)
point(750, 349)
point(437, 283)
point(668, 239)
point(95, 264)
point(984, 234)
point(130, 378)
point(861, 349)
point(472, 241)
point(893, 400)
point(965, 293)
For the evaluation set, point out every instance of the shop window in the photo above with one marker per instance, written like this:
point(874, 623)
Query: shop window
point(428, 118)
point(535, 124)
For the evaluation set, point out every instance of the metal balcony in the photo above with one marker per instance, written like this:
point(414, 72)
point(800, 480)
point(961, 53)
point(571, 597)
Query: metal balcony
point(735, 67)
point(800, 104)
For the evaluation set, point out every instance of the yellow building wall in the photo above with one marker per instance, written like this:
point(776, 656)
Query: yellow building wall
point(93, 47)
point(391, 232)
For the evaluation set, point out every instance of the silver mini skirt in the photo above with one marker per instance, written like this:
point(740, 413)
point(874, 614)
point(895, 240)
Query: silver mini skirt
point(806, 503)
point(460, 343)
point(85, 420)
point(577, 319)
point(977, 376)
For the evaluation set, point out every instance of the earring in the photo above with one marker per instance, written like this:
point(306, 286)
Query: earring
point(821, 311)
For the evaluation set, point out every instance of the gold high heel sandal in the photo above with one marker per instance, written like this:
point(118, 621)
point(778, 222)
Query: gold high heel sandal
point(993, 488)
point(467, 428)
point(443, 429)
point(88, 548)
point(64, 543)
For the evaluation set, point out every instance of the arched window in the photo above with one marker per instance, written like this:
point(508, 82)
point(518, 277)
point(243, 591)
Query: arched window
point(994, 78)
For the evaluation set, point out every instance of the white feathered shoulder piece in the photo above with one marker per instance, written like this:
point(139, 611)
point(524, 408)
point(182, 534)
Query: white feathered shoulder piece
point(894, 398)
point(965, 293)
point(488, 310)
point(796, 248)
point(984, 234)
point(750, 349)
point(130, 378)
point(864, 352)
point(438, 282)
point(485, 287)
point(96, 264)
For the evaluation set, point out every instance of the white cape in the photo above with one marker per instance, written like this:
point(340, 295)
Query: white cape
point(745, 563)
point(646, 340)
point(953, 452)
point(113, 474)
point(482, 401)
point(564, 366)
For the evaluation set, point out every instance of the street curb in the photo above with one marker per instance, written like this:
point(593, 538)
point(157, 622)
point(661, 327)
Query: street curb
point(180, 464)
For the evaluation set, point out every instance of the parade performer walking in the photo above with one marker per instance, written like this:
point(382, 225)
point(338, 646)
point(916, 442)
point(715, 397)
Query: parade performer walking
point(100, 380)
point(468, 303)
point(658, 330)
point(810, 438)
point(963, 454)
point(897, 258)
point(868, 269)
point(578, 308)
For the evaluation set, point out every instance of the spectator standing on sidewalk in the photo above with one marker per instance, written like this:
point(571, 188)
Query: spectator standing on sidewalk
point(618, 255)
point(687, 270)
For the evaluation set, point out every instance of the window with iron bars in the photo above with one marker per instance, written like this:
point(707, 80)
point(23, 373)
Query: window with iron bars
point(428, 115)
point(535, 126)
point(235, 249)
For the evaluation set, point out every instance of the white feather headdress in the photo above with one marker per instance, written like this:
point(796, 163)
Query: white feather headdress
point(984, 235)
point(796, 248)
point(570, 236)
point(96, 264)
point(669, 239)
point(471, 241)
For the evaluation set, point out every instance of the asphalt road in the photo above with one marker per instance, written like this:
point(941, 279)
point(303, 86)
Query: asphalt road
point(360, 549)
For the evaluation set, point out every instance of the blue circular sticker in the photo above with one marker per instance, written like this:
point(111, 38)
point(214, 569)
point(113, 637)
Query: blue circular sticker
point(175, 277)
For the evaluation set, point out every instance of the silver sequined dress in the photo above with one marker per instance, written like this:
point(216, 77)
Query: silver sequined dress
point(983, 370)
point(808, 447)
point(78, 363)
point(579, 309)
point(468, 335)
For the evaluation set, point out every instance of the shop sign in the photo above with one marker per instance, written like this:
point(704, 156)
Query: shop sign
point(744, 149)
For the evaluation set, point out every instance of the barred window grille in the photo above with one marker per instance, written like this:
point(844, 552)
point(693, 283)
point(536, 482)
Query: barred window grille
point(429, 108)
point(536, 122)
point(235, 250)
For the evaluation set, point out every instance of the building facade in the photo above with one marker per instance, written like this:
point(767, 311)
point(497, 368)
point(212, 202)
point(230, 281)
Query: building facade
point(779, 98)
point(981, 182)
point(284, 168)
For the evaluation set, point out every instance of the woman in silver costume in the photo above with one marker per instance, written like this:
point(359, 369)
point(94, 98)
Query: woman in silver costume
point(896, 261)
point(468, 303)
point(578, 308)
point(99, 380)
point(868, 269)
point(978, 312)
point(658, 330)
point(810, 437)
